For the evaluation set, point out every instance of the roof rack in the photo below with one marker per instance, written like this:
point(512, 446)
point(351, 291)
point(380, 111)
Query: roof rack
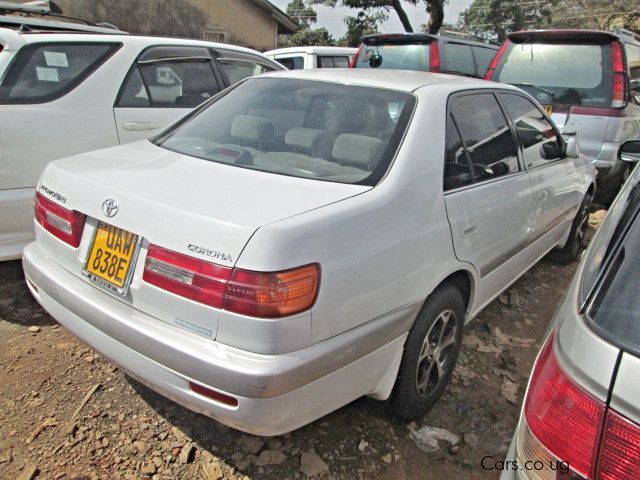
point(41, 7)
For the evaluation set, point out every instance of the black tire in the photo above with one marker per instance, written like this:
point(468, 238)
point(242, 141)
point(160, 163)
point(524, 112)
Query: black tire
point(412, 397)
point(577, 237)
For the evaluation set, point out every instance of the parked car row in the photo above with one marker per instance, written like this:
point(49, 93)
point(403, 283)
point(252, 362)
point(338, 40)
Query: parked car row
point(318, 251)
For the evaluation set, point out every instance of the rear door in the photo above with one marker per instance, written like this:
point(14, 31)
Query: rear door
point(487, 192)
point(554, 179)
point(164, 84)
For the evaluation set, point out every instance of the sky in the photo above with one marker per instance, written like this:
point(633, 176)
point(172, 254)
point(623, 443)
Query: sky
point(331, 18)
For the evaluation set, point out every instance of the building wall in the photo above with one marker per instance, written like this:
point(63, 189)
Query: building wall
point(240, 22)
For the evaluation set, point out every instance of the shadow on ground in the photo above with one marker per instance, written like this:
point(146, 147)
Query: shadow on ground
point(17, 305)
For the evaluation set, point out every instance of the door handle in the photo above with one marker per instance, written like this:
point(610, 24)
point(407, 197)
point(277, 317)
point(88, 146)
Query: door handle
point(139, 126)
point(468, 228)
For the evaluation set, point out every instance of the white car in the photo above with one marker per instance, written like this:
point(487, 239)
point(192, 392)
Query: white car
point(63, 93)
point(298, 58)
point(289, 246)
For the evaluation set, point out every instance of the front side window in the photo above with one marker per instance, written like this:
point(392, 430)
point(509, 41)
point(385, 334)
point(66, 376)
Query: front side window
point(397, 56)
point(539, 139)
point(237, 66)
point(43, 72)
point(299, 128)
point(459, 59)
point(560, 73)
point(292, 63)
point(485, 134)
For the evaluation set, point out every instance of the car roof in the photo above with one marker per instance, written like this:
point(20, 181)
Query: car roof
point(142, 40)
point(403, 80)
point(327, 50)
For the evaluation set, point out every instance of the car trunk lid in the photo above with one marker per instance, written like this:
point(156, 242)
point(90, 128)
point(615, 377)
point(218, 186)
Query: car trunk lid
point(197, 208)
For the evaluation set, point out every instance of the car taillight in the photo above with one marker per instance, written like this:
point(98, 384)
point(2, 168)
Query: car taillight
point(434, 57)
point(352, 63)
point(620, 449)
point(619, 76)
point(67, 225)
point(257, 294)
point(494, 63)
point(562, 421)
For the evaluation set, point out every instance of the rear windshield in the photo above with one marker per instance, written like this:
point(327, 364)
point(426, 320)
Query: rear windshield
point(300, 128)
point(609, 283)
point(395, 56)
point(560, 73)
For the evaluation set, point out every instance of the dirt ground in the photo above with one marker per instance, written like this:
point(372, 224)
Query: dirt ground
point(125, 430)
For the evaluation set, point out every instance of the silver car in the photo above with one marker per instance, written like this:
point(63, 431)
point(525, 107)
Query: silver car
point(581, 414)
point(588, 81)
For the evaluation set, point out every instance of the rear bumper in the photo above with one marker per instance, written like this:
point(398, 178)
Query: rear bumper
point(275, 393)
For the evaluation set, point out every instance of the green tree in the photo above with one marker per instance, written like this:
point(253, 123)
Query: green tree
point(304, 15)
point(361, 24)
point(435, 9)
point(494, 19)
point(596, 14)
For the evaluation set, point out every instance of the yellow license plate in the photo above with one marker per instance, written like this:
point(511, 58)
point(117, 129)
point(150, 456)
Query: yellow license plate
point(112, 254)
point(548, 109)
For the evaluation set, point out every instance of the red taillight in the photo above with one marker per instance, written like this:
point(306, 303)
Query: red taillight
point(619, 76)
point(434, 57)
point(352, 63)
point(496, 60)
point(561, 415)
point(213, 394)
point(620, 449)
point(67, 225)
point(257, 294)
point(200, 281)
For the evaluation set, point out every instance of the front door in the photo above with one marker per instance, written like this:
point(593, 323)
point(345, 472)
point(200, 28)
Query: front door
point(487, 192)
point(556, 189)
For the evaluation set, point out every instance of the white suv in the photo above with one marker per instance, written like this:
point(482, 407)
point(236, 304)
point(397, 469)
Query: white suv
point(307, 238)
point(67, 92)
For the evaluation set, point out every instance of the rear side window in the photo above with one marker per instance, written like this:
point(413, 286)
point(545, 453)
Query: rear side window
point(560, 73)
point(166, 77)
point(459, 59)
point(633, 59)
point(292, 63)
point(44, 72)
point(485, 135)
point(483, 58)
point(333, 62)
point(538, 137)
point(395, 56)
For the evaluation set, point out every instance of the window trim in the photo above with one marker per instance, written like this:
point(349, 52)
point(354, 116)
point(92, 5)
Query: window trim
point(222, 85)
point(72, 85)
point(493, 92)
point(563, 143)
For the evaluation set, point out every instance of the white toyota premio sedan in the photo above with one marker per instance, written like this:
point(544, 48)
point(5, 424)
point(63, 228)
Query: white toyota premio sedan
point(306, 238)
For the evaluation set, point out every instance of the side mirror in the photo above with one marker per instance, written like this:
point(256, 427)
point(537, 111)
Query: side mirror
point(569, 130)
point(376, 60)
point(572, 148)
point(630, 151)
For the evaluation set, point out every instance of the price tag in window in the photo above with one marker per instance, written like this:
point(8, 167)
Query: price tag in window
point(56, 59)
point(47, 74)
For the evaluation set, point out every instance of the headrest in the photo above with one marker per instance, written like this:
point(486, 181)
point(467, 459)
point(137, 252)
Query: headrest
point(358, 150)
point(248, 127)
point(303, 137)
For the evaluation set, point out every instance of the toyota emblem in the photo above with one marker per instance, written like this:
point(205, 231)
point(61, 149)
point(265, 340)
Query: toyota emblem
point(110, 207)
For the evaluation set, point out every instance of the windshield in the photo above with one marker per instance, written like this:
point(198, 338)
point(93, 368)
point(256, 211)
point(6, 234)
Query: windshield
point(560, 73)
point(300, 128)
point(395, 56)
